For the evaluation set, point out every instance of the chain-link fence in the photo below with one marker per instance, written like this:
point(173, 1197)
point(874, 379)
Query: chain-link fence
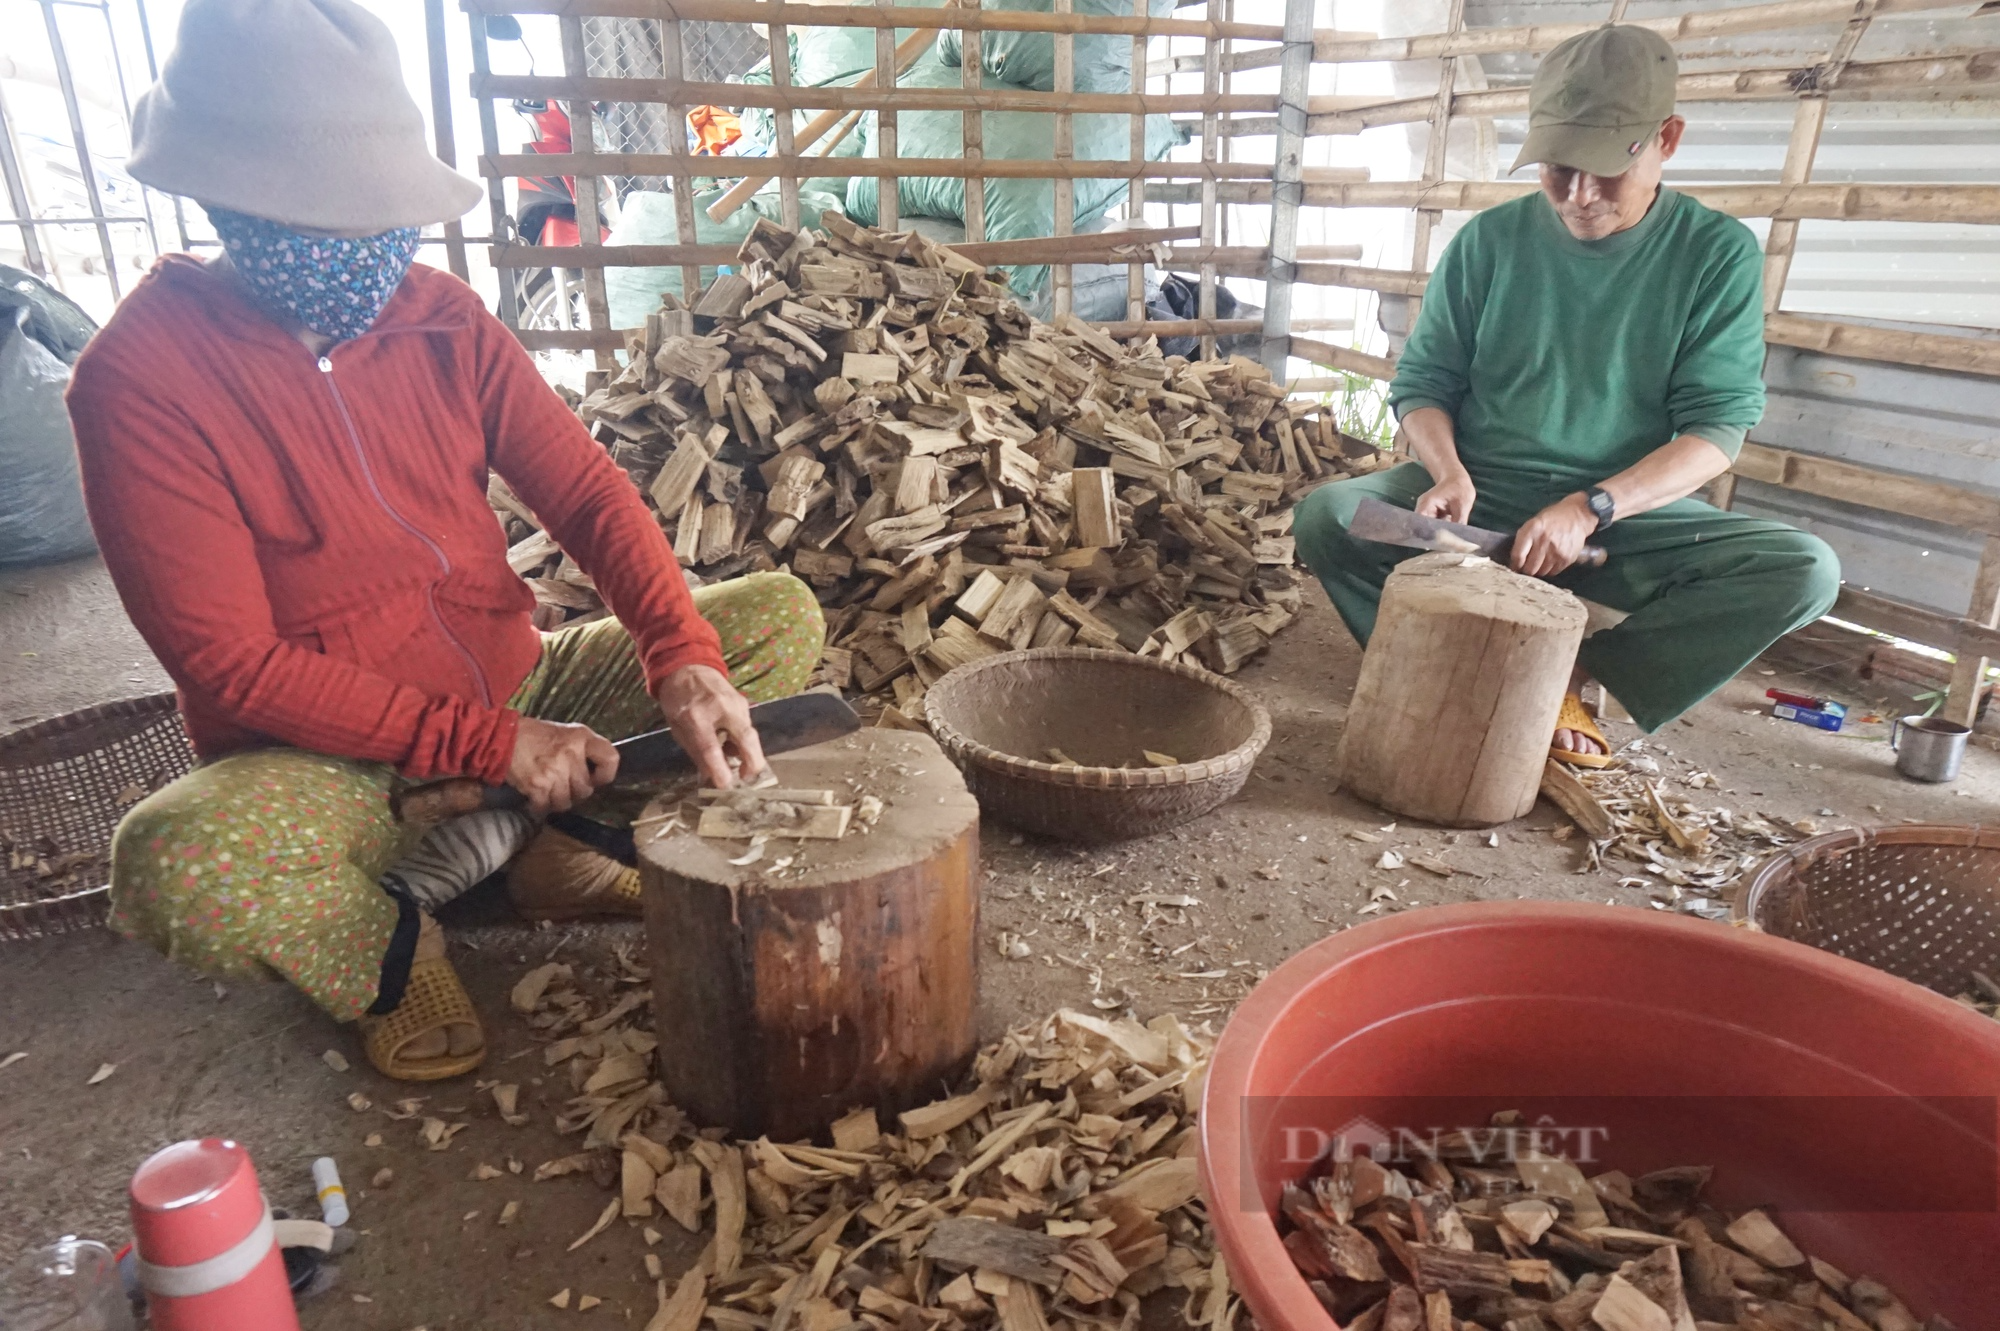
point(631, 48)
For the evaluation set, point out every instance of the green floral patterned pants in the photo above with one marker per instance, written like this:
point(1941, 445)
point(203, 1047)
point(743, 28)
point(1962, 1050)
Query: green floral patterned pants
point(268, 861)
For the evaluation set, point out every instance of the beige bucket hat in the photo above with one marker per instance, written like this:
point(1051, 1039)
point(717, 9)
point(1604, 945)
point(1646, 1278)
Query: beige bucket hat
point(293, 111)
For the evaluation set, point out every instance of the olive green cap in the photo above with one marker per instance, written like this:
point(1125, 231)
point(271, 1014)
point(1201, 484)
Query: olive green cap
point(1598, 99)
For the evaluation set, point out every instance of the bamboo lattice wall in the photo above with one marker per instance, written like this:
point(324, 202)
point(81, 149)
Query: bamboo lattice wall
point(1291, 115)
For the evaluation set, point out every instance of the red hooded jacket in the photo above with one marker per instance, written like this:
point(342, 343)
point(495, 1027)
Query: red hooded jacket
point(305, 542)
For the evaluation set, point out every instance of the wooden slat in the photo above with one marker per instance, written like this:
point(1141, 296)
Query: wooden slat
point(1135, 199)
point(1848, 482)
point(681, 164)
point(571, 339)
point(1064, 153)
point(836, 16)
point(583, 135)
point(1962, 697)
point(1180, 327)
point(888, 200)
point(1093, 247)
point(1855, 203)
point(795, 167)
point(1393, 281)
point(1436, 145)
point(1917, 623)
point(1343, 358)
point(779, 43)
point(1288, 184)
point(1687, 27)
point(1211, 88)
point(542, 86)
point(972, 124)
point(1933, 351)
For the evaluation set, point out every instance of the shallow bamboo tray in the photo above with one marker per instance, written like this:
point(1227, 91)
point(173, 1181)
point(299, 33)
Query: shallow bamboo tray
point(61, 783)
point(1920, 901)
point(998, 718)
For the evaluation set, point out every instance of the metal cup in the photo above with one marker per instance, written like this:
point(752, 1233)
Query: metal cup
point(1928, 749)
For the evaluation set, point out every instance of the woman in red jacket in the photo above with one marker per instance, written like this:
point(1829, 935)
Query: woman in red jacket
point(285, 453)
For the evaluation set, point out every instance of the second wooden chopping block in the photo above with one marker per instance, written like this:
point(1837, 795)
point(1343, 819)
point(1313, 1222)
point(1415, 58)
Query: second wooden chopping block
point(1459, 692)
point(786, 994)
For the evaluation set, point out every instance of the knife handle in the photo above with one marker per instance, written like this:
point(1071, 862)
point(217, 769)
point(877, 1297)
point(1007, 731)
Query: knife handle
point(1592, 556)
point(439, 800)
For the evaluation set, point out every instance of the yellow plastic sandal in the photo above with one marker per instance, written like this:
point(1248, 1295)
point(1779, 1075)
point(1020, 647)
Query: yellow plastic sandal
point(434, 1000)
point(1574, 717)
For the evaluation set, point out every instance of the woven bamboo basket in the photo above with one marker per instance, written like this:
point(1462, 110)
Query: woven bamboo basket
point(64, 784)
point(1920, 901)
point(999, 717)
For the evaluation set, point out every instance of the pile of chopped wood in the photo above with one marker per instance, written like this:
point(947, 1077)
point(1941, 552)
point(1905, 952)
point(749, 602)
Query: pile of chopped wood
point(1057, 1185)
point(1464, 1237)
point(954, 478)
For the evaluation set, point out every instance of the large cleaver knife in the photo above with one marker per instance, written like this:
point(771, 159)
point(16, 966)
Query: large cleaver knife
point(1376, 521)
point(783, 725)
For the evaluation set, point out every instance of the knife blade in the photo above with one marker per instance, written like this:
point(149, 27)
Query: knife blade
point(782, 725)
point(1375, 520)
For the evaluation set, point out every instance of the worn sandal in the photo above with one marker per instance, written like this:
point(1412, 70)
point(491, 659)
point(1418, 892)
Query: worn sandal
point(1574, 717)
point(433, 1003)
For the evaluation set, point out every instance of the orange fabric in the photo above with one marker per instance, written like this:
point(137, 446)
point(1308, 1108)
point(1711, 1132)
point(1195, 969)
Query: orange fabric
point(714, 129)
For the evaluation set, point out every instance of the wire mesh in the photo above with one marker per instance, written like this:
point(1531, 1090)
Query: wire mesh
point(633, 48)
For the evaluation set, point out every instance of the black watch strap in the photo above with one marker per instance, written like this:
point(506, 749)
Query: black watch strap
point(1601, 504)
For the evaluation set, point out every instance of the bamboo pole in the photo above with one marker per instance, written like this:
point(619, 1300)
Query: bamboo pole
point(778, 38)
point(841, 16)
point(888, 197)
point(1203, 328)
point(1808, 122)
point(1065, 150)
point(857, 98)
point(1931, 351)
point(1343, 358)
point(583, 135)
point(1870, 487)
point(739, 193)
point(1088, 168)
point(972, 127)
point(1975, 73)
point(496, 190)
point(1855, 203)
point(1682, 28)
point(1288, 185)
point(1961, 702)
point(1092, 247)
point(673, 59)
point(1436, 148)
point(1135, 199)
point(1211, 87)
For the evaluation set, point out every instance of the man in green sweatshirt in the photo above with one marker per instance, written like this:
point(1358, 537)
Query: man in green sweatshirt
point(1586, 358)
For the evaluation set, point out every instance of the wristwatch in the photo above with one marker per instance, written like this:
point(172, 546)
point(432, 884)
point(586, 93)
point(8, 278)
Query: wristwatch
point(1601, 504)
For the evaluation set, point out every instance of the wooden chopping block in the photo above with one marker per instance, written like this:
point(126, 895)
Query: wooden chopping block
point(1459, 692)
point(783, 998)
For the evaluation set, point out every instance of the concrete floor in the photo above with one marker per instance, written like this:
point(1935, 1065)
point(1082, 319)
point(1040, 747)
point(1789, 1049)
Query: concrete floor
point(1272, 871)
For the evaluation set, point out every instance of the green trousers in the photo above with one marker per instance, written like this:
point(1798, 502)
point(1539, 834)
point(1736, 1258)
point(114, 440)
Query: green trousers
point(1705, 590)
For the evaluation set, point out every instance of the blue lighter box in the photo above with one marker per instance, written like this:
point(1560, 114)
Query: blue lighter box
point(1828, 716)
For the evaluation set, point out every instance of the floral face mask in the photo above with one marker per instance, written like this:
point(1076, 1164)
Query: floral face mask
point(335, 286)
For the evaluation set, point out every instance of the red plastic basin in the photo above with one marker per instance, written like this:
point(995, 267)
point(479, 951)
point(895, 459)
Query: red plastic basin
point(1439, 1017)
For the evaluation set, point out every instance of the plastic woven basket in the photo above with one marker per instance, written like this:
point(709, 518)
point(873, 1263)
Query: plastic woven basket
point(999, 717)
point(64, 784)
point(1920, 901)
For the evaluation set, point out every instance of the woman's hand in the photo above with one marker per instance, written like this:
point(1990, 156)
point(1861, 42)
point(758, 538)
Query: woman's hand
point(1450, 499)
point(557, 766)
point(1550, 541)
point(706, 713)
